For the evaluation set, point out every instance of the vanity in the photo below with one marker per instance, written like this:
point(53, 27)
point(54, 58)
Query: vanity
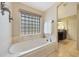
point(62, 34)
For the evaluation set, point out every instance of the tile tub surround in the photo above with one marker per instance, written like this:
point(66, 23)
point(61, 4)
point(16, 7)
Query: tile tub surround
point(16, 33)
point(25, 38)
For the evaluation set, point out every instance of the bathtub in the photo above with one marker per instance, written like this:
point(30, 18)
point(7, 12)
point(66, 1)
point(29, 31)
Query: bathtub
point(25, 47)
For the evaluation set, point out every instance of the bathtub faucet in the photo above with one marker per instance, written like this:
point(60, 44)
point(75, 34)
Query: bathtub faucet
point(49, 39)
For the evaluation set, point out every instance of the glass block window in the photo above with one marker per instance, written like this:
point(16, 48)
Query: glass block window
point(30, 24)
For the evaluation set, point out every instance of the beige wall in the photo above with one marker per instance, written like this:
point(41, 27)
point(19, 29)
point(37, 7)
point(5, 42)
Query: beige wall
point(16, 21)
point(51, 14)
point(78, 26)
point(70, 24)
point(69, 9)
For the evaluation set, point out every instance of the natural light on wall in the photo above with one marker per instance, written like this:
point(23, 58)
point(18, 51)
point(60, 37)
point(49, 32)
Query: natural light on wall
point(47, 27)
point(60, 25)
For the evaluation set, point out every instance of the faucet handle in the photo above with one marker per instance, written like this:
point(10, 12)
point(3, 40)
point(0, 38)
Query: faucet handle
point(46, 39)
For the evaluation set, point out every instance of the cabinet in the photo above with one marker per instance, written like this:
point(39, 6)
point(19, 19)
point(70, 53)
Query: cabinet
point(62, 34)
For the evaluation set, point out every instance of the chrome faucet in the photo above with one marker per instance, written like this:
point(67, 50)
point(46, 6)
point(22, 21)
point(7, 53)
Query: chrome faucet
point(49, 39)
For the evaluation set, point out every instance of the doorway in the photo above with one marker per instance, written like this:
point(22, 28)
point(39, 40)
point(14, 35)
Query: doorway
point(67, 29)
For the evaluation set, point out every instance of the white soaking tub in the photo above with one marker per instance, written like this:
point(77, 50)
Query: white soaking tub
point(25, 47)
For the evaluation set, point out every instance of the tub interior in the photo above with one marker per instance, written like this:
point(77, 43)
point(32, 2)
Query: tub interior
point(27, 45)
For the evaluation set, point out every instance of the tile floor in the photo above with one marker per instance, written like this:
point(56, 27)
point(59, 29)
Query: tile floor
point(67, 48)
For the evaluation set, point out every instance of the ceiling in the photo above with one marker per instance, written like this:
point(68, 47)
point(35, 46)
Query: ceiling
point(42, 6)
